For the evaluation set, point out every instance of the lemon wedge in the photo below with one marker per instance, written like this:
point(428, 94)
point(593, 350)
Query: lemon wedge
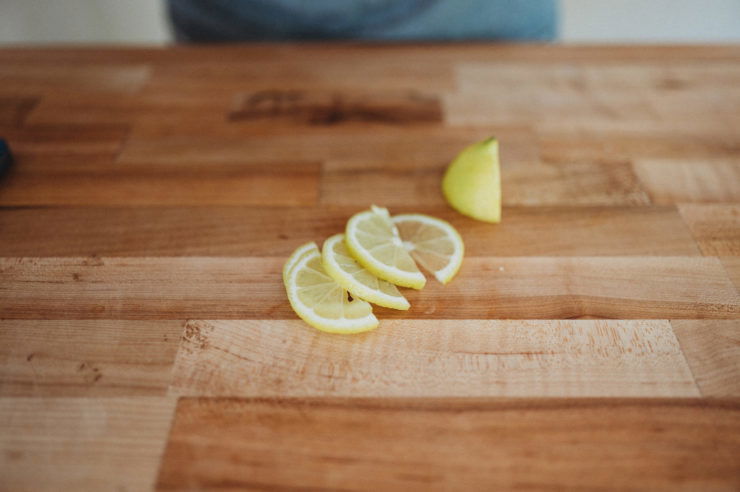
point(373, 241)
point(472, 182)
point(433, 243)
point(318, 300)
point(353, 277)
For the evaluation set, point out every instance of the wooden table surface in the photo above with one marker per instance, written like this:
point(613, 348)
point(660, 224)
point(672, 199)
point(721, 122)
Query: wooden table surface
point(590, 340)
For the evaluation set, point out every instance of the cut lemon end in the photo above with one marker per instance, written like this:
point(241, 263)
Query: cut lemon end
point(373, 242)
point(361, 283)
point(472, 182)
point(433, 243)
point(319, 301)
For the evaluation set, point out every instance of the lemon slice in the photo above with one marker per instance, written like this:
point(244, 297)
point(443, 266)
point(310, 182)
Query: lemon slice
point(472, 182)
point(299, 253)
point(318, 300)
point(373, 241)
point(340, 265)
point(433, 243)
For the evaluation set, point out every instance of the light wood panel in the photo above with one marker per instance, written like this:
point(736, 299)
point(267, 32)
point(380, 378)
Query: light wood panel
point(271, 231)
point(389, 444)
point(82, 443)
point(128, 109)
point(671, 181)
point(611, 183)
point(712, 349)
point(600, 146)
point(59, 78)
point(616, 97)
point(87, 358)
point(251, 288)
point(446, 358)
point(716, 227)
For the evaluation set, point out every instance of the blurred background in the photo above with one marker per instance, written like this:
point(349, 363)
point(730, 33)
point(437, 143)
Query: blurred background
point(589, 21)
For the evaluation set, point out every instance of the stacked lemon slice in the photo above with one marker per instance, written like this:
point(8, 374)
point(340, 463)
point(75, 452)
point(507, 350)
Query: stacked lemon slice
point(331, 290)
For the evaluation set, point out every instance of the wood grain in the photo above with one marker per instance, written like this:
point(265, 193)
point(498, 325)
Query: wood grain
point(251, 288)
point(87, 358)
point(156, 193)
point(92, 182)
point(82, 443)
point(672, 181)
point(712, 349)
point(390, 444)
point(446, 358)
point(270, 231)
point(408, 183)
point(716, 227)
point(597, 98)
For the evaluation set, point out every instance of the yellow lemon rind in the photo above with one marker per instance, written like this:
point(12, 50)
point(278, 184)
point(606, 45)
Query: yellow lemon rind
point(354, 287)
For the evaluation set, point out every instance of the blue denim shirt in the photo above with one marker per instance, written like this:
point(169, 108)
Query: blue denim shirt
point(379, 20)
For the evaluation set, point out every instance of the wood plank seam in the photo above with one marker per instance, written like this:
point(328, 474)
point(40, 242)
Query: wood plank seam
point(729, 276)
point(123, 143)
point(685, 358)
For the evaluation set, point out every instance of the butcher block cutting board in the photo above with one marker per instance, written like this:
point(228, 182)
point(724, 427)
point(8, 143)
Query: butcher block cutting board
point(591, 340)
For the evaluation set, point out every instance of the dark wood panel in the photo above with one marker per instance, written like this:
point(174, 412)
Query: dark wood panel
point(389, 444)
point(64, 143)
point(271, 231)
point(232, 141)
point(341, 52)
point(330, 108)
point(103, 182)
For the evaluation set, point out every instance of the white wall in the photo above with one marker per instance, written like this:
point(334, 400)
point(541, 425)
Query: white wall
point(82, 21)
point(143, 21)
point(650, 20)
